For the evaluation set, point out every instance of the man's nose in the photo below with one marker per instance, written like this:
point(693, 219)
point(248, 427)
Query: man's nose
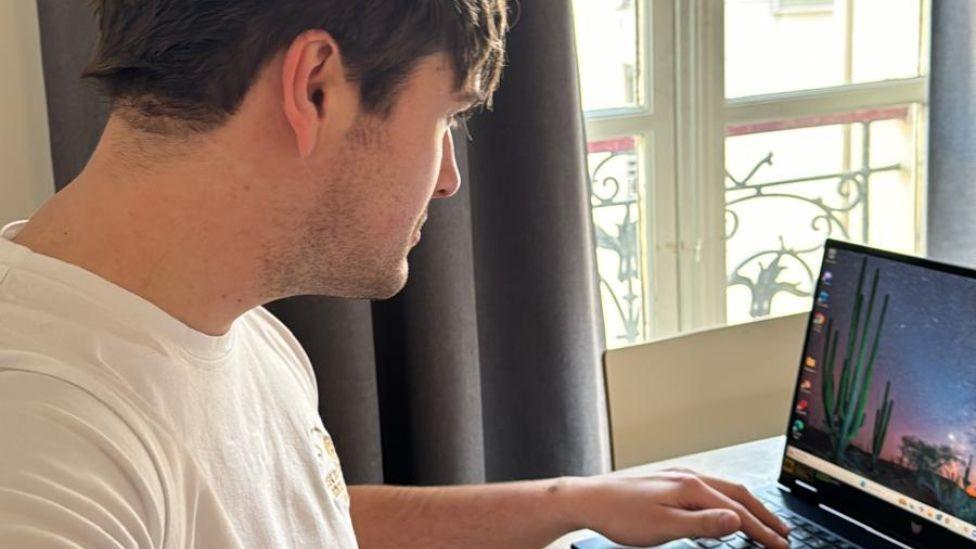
point(449, 178)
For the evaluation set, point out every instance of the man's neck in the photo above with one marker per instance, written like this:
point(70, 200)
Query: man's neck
point(182, 251)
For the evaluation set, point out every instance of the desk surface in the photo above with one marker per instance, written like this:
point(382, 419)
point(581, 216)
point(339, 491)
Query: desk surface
point(753, 464)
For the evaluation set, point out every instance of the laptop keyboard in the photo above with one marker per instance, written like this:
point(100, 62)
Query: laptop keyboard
point(805, 534)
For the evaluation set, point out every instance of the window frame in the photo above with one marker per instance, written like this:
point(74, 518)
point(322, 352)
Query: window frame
point(682, 176)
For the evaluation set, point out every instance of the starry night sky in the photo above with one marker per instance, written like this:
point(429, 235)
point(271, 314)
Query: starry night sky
point(927, 351)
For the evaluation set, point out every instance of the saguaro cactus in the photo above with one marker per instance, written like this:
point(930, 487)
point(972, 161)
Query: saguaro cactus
point(844, 405)
point(965, 476)
point(881, 417)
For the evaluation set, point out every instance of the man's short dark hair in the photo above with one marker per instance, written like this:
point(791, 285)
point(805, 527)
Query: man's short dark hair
point(192, 61)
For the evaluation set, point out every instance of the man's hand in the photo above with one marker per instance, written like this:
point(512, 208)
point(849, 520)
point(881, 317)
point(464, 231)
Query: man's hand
point(670, 505)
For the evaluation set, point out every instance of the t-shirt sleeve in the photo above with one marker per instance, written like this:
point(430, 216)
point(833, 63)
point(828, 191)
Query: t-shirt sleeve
point(73, 473)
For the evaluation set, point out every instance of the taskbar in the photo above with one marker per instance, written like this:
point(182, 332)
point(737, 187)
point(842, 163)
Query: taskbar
point(882, 492)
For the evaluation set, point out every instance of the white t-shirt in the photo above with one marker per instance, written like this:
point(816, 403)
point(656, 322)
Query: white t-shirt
point(122, 427)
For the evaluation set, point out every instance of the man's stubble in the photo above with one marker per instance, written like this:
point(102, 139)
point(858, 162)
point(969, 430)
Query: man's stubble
point(333, 252)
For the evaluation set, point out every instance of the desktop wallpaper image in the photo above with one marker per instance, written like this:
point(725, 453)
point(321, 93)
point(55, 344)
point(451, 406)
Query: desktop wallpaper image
point(888, 388)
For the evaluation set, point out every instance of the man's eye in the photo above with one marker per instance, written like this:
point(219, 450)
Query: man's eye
point(460, 120)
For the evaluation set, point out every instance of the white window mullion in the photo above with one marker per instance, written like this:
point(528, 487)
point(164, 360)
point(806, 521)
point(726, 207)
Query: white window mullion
point(699, 134)
point(661, 236)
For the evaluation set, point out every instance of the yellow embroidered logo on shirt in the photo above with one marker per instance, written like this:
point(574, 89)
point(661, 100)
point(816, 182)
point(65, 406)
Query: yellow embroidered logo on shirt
point(325, 452)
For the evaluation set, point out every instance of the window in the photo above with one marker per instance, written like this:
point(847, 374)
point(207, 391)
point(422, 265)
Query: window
point(727, 140)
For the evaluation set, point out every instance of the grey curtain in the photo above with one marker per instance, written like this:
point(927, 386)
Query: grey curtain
point(487, 366)
point(952, 133)
point(76, 113)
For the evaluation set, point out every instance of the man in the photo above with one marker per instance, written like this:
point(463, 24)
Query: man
point(258, 150)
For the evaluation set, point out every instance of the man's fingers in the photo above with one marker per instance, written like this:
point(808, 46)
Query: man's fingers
point(709, 523)
point(740, 494)
point(696, 494)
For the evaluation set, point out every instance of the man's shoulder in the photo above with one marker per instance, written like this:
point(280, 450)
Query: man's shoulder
point(85, 409)
point(80, 464)
point(67, 453)
point(49, 396)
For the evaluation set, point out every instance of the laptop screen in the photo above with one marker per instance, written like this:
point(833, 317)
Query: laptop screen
point(886, 396)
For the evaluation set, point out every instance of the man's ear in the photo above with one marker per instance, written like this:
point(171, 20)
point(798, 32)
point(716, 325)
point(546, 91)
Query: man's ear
point(311, 60)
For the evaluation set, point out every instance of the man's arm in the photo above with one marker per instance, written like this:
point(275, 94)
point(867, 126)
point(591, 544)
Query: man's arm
point(632, 511)
point(517, 514)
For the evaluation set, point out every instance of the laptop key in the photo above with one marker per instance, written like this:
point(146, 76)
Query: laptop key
point(708, 543)
point(800, 535)
point(743, 536)
point(775, 507)
point(830, 538)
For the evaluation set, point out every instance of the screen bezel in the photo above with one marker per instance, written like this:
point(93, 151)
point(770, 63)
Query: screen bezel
point(885, 517)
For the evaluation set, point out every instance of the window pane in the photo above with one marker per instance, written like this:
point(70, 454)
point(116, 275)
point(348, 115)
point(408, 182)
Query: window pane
point(886, 39)
point(607, 48)
point(791, 184)
point(615, 201)
point(778, 45)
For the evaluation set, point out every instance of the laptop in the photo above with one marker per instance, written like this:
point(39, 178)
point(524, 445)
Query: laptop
point(881, 436)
